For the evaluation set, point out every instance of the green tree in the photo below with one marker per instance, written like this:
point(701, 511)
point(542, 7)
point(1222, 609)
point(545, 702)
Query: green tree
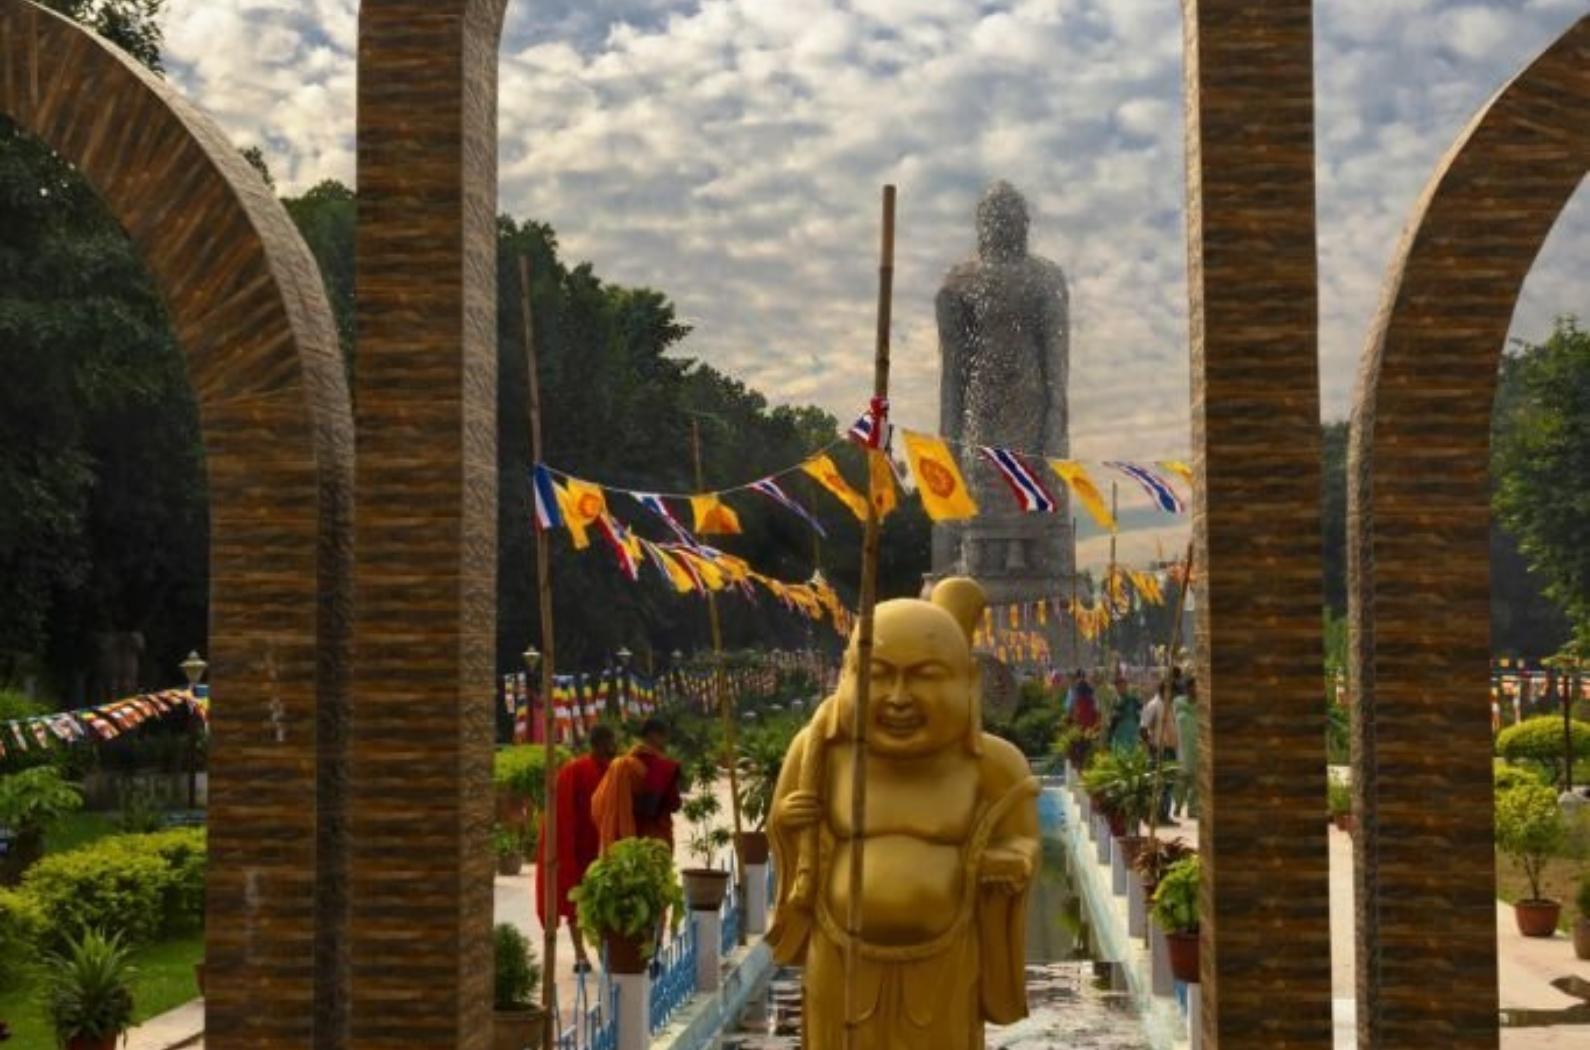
point(1542, 458)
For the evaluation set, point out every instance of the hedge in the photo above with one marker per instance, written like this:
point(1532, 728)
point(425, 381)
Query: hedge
point(522, 771)
point(143, 887)
point(21, 923)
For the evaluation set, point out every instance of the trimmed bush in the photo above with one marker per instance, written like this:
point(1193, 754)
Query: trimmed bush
point(1529, 829)
point(1541, 740)
point(1509, 776)
point(21, 923)
point(521, 770)
point(138, 886)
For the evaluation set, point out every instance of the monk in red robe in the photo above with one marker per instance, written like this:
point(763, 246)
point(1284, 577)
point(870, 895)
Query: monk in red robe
point(578, 843)
point(640, 793)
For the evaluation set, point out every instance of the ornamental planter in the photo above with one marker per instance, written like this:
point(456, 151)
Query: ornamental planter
point(624, 954)
point(509, 863)
point(1537, 918)
point(1183, 956)
point(1581, 937)
point(518, 1029)
point(752, 847)
point(705, 888)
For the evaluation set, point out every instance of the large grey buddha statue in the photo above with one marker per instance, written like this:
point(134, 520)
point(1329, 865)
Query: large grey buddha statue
point(1004, 341)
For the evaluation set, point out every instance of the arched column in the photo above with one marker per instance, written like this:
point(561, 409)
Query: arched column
point(246, 303)
point(1419, 569)
point(421, 729)
point(1252, 278)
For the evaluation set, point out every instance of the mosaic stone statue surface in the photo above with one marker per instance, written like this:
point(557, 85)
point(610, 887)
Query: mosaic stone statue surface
point(951, 844)
point(1004, 344)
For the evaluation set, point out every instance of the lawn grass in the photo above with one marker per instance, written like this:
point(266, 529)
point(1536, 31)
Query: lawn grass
point(164, 980)
point(79, 829)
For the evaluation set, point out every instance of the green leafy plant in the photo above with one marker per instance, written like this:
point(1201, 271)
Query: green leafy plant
point(30, 803)
point(1175, 904)
point(1508, 775)
point(1541, 740)
point(21, 924)
point(761, 760)
point(530, 837)
point(707, 836)
point(88, 987)
point(138, 810)
point(1529, 829)
point(521, 770)
point(516, 973)
point(505, 842)
point(1124, 783)
point(136, 886)
point(629, 891)
point(1338, 797)
point(1158, 856)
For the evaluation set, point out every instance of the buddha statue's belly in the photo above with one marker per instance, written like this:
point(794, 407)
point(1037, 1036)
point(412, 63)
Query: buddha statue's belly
point(911, 888)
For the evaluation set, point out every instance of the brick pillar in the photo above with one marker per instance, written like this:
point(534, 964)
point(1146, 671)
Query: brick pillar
point(1256, 423)
point(420, 728)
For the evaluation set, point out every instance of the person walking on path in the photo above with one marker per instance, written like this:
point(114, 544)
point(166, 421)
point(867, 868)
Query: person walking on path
point(578, 842)
point(1159, 737)
point(1081, 707)
point(1125, 716)
point(640, 793)
point(1184, 709)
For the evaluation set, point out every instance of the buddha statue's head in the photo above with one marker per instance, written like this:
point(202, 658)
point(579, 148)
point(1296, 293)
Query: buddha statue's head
point(926, 684)
point(1002, 222)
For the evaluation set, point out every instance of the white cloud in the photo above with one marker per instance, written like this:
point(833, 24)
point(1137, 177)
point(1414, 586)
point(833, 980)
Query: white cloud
point(730, 152)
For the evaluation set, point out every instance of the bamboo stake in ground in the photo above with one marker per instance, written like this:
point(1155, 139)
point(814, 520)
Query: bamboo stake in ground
point(725, 707)
point(549, 826)
point(869, 600)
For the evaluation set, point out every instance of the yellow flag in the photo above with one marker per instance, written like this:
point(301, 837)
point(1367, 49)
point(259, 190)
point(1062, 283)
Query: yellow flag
point(1014, 614)
point(880, 482)
point(713, 516)
point(683, 582)
point(1076, 478)
point(1180, 469)
point(938, 478)
point(587, 502)
point(1043, 614)
point(571, 518)
point(827, 475)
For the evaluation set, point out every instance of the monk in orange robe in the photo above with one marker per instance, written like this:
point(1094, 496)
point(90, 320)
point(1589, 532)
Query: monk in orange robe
point(640, 793)
point(578, 843)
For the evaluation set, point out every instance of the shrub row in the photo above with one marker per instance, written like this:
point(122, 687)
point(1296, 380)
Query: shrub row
point(143, 887)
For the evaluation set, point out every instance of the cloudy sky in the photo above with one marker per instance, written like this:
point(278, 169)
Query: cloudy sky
point(730, 152)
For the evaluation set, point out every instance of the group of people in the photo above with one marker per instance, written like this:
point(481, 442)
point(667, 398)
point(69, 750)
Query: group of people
point(1166, 727)
point(603, 797)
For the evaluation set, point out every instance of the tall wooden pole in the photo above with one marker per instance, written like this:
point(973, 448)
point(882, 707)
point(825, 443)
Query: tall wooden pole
point(549, 824)
point(869, 601)
point(731, 748)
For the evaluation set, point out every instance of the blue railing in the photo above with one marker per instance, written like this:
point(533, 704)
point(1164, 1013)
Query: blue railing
point(673, 976)
point(595, 1024)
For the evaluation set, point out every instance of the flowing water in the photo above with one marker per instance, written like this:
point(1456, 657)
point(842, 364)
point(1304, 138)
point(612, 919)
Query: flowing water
point(1069, 993)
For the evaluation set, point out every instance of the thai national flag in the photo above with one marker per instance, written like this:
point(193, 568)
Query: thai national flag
point(548, 516)
point(771, 489)
point(1158, 488)
point(615, 535)
point(863, 432)
point(1030, 492)
point(654, 503)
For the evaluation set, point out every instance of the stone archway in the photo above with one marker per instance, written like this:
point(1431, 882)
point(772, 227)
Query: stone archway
point(246, 303)
point(1419, 519)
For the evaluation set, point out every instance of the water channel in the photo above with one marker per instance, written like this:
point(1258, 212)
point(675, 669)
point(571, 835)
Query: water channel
point(1069, 991)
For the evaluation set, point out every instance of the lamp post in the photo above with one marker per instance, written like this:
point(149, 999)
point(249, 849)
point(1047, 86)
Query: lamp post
point(193, 669)
point(532, 660)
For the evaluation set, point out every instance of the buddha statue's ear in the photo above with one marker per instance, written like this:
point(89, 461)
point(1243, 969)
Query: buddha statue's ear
point(963, 599)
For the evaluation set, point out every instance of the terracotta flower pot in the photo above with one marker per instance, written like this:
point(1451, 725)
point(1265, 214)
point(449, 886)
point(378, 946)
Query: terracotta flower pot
point(705, 888)
point(1345, 822)
point(518, 1029)
point(513, 810)
point(752, 847)
point(1183, 956)
point(1581, 937)
point(93, 1042)
point(624, 954)
point(509, 863)
point(1537, 918)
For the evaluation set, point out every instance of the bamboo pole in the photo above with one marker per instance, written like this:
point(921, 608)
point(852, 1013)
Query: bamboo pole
point(869, 599)
point(549, 824)
point(730, 742)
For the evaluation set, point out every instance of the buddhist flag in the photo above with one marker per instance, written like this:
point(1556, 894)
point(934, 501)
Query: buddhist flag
point(576, 526)
point(1180, 469)
point(880, 482)
point(938, 478)
point(1076, 478)
point(713, 517)
point(822, 469)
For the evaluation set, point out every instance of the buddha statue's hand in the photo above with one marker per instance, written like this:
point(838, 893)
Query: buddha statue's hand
point(797, 811)
point(1005, 868)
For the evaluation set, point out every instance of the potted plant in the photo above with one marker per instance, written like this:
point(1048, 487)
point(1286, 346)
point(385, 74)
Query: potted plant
point(761, 760)
point(1175, 908)
point(88, 992)
point(30, 802)
point(1124, 784)
point(530, 838)
point(1156, 858)
point(1339, 804)
point(707, 884)
point(517, 1020)
point(1581, 925)
point(505, 842)
point(624, 898)
point(1529, 829)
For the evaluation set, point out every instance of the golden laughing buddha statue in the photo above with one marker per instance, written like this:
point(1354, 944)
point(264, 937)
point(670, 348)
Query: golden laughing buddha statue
point(951, 835)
